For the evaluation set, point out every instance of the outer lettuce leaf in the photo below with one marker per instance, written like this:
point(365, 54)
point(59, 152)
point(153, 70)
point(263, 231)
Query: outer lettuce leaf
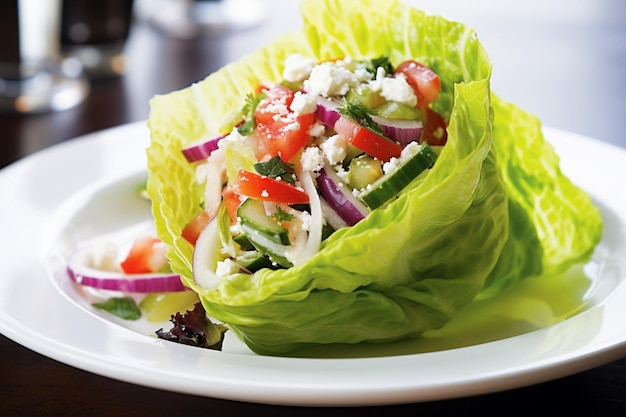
point(553, 222)
point(412, 265)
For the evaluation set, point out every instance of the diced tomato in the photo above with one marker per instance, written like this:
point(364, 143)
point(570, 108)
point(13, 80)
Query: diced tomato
point(146, 255)
point(263, 87)
point(425, 82)
point(283, 131)
point(231, 202)
point(367, 140)
point(434, 131)
point(251, 184)
point(192, 230)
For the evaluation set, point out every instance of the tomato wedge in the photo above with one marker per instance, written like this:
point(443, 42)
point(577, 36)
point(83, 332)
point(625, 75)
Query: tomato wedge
point(192, 230)
point(367, 140)
point(253, 185)
point(231, 202)
point(283, 131)
point(425, 82)
point(147, 255)
point(434, 132)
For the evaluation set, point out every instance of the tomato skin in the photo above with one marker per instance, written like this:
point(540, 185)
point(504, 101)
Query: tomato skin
point(425, 82)
point(283, 131)
point(434, 131)
point(368, 141)
point(231, 202)
point(253, 185)
point(192, 230)
point(147, 255)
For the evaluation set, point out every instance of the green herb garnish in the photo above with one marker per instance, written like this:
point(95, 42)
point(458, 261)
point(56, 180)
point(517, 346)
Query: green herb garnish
point(275, 168)
point(382, 61)
point(124, 307)
point(282, 216)
point(360, 114)
point(248, 110)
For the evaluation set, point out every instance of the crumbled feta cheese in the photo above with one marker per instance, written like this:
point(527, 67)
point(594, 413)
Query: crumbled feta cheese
point(303, 103)
point(377, 83)
point(335, 149)
point(407, 153)
point(342, 173)
point(312, 159)
point(104, 257)
point(226, 267)
point(297, 68)
point(277, 107)
point(293, 126)
point(316, 130)
point(329, 79)
point(398, 89)
point(391, 165)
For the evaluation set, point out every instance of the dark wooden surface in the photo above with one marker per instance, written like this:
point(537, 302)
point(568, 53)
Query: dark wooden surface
point(564, 61)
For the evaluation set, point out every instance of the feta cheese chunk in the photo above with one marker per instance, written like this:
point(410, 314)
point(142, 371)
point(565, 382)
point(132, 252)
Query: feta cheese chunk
point(297, 68)
point(398, 89)
point(303, 103)
point(329, 79)
point(312, 159)
point(335, 149)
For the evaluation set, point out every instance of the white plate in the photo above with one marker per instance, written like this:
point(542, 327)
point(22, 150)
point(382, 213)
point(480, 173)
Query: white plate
point(85, 187)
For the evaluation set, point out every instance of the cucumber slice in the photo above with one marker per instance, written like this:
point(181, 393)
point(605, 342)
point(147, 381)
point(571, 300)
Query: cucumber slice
point(252, 214)
point(389, 185)
point(394, 110)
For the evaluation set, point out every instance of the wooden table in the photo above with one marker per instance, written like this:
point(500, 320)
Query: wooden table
point(564, 61)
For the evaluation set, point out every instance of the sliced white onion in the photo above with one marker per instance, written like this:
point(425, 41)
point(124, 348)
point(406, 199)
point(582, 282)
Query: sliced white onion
point(339, 197)
point(215, 172)
point(314, 239)
point(205, 256)
point(201, 149)
point(81, 272)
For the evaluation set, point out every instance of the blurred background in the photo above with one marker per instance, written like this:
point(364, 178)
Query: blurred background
point(558, 59)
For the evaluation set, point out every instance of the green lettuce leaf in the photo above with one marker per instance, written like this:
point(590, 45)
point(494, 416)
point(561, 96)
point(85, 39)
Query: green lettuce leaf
point(409, 267)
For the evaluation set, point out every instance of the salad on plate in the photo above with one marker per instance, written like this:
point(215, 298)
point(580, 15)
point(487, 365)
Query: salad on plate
point(357, 181)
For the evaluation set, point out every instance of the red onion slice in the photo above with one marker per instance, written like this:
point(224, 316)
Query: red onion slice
point(80, 272)
point(339, 197)
point(201, 149)
point(400, 130)
point(327, 110)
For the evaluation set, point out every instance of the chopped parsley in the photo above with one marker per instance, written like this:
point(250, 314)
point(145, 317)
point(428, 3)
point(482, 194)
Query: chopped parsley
point(275, 168)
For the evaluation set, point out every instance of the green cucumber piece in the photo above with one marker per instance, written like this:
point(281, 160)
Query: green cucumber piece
point(363, 170)
point(252, 214)
point(395, 110)
point(363, 94)
point(389, 185)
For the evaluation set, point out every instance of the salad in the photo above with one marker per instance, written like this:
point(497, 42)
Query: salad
point(312, 155)
point(357, 181)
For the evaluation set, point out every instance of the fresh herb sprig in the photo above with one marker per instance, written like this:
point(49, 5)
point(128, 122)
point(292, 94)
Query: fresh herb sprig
point(275, 168)
point(383, 61)
point(361, 114)
point(248, 109)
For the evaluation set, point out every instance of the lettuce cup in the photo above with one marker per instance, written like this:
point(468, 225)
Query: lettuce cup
point(491, 207)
